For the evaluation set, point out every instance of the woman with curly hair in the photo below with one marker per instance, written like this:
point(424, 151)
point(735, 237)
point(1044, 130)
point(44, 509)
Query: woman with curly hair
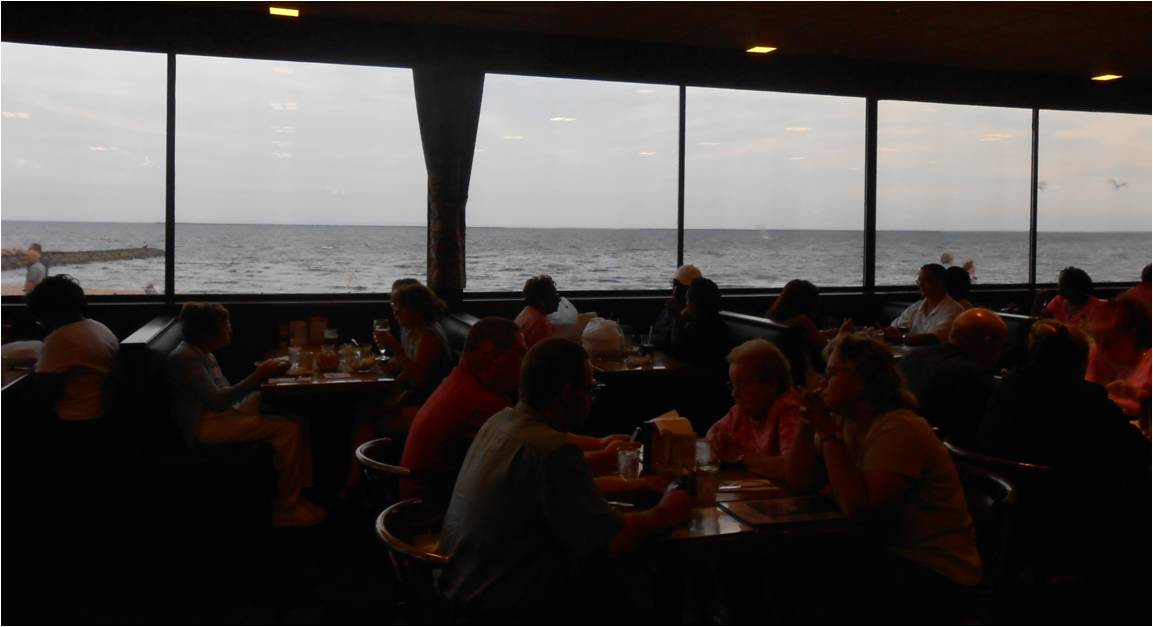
point(887, 467)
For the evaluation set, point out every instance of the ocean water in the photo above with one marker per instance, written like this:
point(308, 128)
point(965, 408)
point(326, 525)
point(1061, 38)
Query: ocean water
point(216, 258)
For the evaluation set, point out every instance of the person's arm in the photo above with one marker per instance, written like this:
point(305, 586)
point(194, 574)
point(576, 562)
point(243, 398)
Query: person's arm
point(194, 377)
point(921, 339)
point(771, 466)
point(867, 495)
point(416, 369)
point(610, 485)
point(46, 390)
point(673, 510)
point(589, 443)
point(803, 462)
point(603, 461)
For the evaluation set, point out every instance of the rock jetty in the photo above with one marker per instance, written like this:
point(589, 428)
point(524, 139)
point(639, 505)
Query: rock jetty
point(15, 259)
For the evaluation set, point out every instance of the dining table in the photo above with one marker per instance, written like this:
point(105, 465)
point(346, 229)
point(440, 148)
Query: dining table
point(316, 382)
point(713, 531)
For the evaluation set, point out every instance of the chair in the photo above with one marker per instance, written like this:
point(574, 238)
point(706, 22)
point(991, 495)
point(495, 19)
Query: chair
point(992, 502)
point(412, 535)
point(382, 478)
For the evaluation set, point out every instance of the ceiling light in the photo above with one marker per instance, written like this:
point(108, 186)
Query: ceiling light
point(1106, 77)
point(284, 12)
point(761, 49)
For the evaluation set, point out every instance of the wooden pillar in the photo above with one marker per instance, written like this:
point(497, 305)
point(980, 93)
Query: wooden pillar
point(448, 101)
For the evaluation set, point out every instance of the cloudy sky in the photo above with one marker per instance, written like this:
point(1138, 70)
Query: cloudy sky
point(297, 143)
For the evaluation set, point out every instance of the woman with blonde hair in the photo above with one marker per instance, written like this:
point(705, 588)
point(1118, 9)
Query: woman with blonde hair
point(886, 466)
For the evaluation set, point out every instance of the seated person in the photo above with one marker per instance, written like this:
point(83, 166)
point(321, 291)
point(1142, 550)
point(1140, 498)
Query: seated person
point(699, 334)
point(77, 356)
point(423, 358)
point(796, 307)
point(211, 411)
point(1075, 298)
point(1045, 412)
point(953, 381)
point(759, 429)
point(886, 466)
point(1143, 291)
point(1119, 358)
point(483, 383)
point(927, 320)
point(662, 331)
point(526, 524)
point(396, 285)
point(540, 299)
point(957, 284)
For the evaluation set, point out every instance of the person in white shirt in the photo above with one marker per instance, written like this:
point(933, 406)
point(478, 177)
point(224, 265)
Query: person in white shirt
point(78, 354)
point(928, 320)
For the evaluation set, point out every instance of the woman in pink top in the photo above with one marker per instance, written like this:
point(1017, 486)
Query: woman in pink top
point(540, 299)
point(1119, 358)
point(759, 428)
point(1075, 300)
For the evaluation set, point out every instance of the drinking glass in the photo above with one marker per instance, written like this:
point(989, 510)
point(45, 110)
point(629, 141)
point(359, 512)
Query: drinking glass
point(380, 326)
point(707, 479)
point(629, 461)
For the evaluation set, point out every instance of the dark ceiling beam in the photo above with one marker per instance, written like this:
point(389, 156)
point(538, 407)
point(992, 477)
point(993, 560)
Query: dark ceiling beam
point(247, 31)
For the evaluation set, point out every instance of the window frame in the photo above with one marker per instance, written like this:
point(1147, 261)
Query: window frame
point(869, 287)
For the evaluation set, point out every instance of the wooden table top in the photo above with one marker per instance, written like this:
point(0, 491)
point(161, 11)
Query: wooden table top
point(328, 381)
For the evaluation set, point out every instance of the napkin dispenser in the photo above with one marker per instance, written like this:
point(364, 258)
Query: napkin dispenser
point(670, 445)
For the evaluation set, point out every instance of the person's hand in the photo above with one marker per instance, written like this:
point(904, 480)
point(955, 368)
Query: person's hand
point(270, 367)
point(653, 483)
point(385, 339)
point(846, 327)
point(678, 505)
point(814, 409)
point(892, 334)
point(615, 437)
point(724, 447)
point(1122, 389)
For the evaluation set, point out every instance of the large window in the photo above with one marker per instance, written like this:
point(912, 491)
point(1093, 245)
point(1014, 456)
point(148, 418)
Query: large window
point(774, 187)
point(573, 178)
point(83, 165)
point(952, 184)
point(296, 177)
point(1093, 194)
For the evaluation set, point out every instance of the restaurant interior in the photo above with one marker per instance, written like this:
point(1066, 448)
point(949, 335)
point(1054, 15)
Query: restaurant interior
point(150, 531)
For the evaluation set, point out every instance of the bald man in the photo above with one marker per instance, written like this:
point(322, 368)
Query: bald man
point(953, 381)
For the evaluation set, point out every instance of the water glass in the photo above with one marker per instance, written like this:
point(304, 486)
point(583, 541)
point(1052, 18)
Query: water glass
point(629, 461)
point(294, 356)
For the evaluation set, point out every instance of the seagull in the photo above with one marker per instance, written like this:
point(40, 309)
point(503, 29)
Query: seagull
point(1117, 186)
point(1041, 185)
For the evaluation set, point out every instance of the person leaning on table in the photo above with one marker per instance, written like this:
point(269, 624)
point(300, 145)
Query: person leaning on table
point(210, 410)
point(886, 467)
point(526, 526)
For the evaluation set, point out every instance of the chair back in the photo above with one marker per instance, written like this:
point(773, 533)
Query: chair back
point(1029, 479)
point(412, 536)
point(992, 502)
point(382, 478)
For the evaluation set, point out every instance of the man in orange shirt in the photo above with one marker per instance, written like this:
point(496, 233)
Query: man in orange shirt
point(484, 383)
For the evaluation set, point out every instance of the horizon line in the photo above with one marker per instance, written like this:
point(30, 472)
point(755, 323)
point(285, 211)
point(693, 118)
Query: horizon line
point(553, 228)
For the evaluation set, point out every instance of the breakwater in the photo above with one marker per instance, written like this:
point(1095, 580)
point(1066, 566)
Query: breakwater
point(14, 260)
